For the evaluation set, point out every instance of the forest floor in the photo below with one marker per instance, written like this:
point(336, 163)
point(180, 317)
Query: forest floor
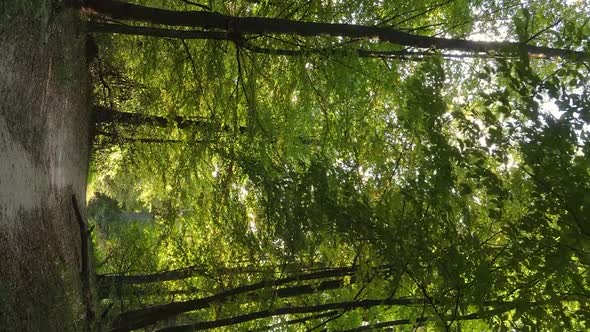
point(44, 153)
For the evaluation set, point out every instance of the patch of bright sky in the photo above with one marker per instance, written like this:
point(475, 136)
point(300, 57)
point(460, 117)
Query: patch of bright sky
point(550, 107)
point(500, 35)
point(252, 222)
point(575, 2)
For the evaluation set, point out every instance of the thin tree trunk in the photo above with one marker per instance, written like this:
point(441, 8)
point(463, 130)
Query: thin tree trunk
point(156, 32)
point(106, 281)
point(191, 271)
point(179, 274)
point(350, 305)
point(115, 137)
point(143, 317)
point(184, 34)
point(280, 293)
point(107, 115)
point(85, 266)
point(239, 26)
point(422, 320)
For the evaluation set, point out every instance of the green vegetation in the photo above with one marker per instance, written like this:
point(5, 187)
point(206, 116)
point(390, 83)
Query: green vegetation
point(338, 177)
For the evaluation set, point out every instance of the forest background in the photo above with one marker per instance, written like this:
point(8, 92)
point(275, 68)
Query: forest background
point(417, 165)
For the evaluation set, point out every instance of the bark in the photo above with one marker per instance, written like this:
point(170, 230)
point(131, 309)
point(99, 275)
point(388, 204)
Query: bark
point(178, 274)
point(364, 304)
point(348, 305)
point(156, 32)
point(284, 292)
point(107, 281)
point(143, 317)
point(138, 293)
point(240, 26)
point(310, 289)
point(184, 34)
point(115, 137)
point(108, 115)
point(85, 266)
point(192, 271)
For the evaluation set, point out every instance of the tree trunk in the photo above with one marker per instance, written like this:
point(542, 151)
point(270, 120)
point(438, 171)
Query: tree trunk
point(192, 271)
point(107, 115)
point(85, 266)
point(143, 317)
point(178, 274)
point(239, 26)
point(350, 305)
point(334, 51)
point(422, 320)
point(117, 138)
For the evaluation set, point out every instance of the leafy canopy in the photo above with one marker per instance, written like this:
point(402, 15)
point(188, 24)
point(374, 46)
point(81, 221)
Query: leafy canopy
point(459, 181)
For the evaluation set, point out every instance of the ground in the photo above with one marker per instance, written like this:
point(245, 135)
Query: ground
point(44, 153)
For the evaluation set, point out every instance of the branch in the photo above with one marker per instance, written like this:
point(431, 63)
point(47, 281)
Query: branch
point(544, 30)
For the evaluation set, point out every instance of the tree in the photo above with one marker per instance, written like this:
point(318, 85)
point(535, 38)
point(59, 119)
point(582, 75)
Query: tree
point(301, 140)
point(236, 28)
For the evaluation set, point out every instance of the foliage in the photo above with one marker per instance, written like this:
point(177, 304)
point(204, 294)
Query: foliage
point(457, 184)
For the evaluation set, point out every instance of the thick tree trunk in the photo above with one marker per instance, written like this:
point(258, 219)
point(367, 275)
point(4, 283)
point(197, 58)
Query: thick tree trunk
point(238, 26)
